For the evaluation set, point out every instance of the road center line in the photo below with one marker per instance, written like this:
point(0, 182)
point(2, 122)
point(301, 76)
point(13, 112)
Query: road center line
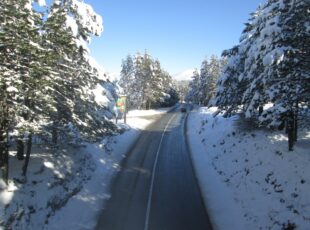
point(149, 203)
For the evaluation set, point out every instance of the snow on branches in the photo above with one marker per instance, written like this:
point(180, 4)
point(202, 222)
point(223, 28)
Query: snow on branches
point(47, 73)
point(270, 66)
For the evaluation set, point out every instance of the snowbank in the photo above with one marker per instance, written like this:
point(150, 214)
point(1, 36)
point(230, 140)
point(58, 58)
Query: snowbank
point(143, 113)
point(248, 178)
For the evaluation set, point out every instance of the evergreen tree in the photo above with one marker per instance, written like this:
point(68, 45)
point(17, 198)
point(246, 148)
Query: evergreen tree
point(214, 74)
point(193, 93)
point(182, 87)
point(203, 84)
point(273, 66)
point(140, 81)
point(230, 86)
point(160, 83)
point(21, 70)
point(47, 76)
point(203, 88)
point(72, 76)
point(146, 83)
point(149, 81)
point(127, 80)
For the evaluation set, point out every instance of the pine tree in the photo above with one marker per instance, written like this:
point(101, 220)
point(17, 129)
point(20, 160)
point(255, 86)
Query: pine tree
point(47, 76)
point(203, 88)
point(266, 32)
point(159, 83)
point(147, 78)
point(203, 84)
point(272, 60)
point(194, 85)
point(182, 87)
point(215, 71)
point(21, 69)
point(287, 67)
point(228, 95)
point(127, 80)
point(144, 81)
point(233, 82)
point(72, 76)
point(59, 41)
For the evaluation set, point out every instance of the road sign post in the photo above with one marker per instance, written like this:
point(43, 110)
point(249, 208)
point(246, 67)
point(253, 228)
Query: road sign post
point(121, 105)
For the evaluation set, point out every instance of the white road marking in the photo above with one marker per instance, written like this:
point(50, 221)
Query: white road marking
point(149, 203)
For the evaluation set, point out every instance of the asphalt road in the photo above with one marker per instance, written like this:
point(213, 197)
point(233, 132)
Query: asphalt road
point(156, 188)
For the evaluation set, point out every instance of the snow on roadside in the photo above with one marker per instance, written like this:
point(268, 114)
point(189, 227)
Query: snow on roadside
point(248, 178)
point(143, 113)
point(70, 186)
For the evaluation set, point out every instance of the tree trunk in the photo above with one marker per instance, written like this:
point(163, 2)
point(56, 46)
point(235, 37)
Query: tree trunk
point(28, 152)
point(295, 128)
point(54, 134)
point(149, 105)
point(296, 123)
point(4, 147)
point(290, 131)
point(4, 158)
point(20, 149)
point(260, 110)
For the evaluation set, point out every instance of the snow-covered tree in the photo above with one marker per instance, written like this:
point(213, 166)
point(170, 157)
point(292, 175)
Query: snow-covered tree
point(273, 65)
point(47, 77)
point(144, 81)
point(168, 94)
point(209, 74)
point(194, 85)
point(286, 62)
point(230, 87)
point(21, 68)
point(160, 85)
point(280, 75)
point(147, 77)
point(203, 84)
point(182, 88)
point(127, 81)
point(66, 32)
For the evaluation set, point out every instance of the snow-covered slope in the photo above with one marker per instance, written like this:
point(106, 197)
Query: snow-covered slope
point(248, 177)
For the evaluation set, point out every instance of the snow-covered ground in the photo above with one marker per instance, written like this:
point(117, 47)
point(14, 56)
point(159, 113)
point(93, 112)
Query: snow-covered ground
point(67, 188)
point(248, 178)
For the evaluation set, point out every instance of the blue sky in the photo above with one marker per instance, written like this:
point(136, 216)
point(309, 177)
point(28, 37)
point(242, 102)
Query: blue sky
point(179, 33)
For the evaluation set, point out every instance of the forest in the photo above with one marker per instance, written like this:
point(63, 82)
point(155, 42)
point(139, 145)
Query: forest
point(50, 83)
point(266, 76)
point(58, 108)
